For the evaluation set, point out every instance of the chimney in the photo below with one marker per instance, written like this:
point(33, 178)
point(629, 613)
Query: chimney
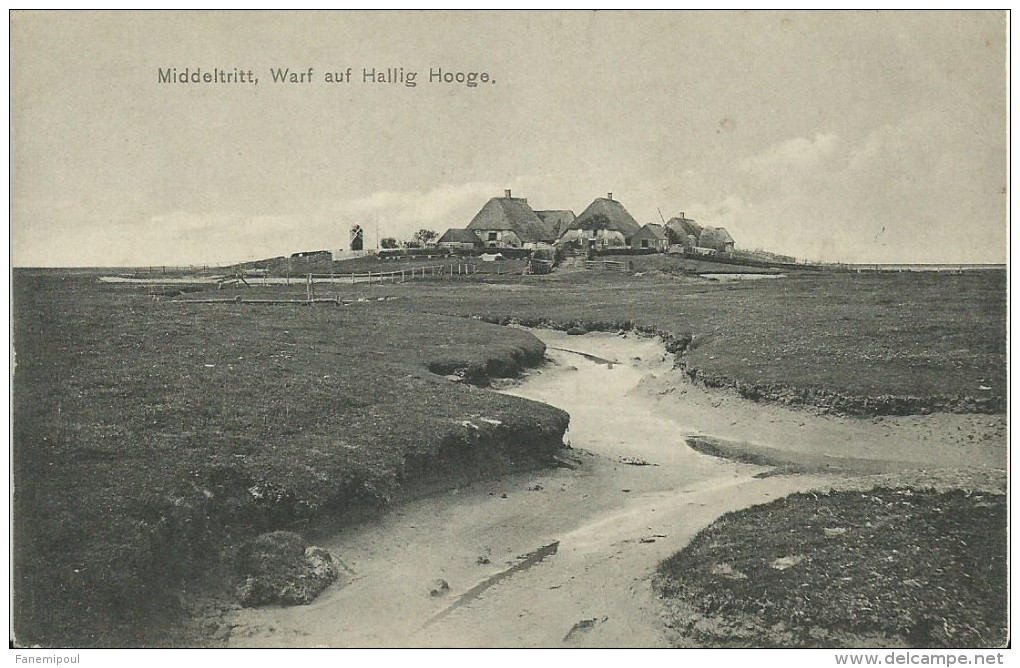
point(609, 195)
point(507, 191)
point(683, 216)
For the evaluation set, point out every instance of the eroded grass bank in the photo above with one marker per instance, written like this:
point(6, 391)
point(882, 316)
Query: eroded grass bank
point(149, 437)
point(887, 567)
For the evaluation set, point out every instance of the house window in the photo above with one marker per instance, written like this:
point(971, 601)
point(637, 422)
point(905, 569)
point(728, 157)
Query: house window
point(492, 244)
point(492, 236)
point(644, 243)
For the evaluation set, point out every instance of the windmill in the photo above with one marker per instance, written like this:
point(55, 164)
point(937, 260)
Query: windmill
point(357, 238)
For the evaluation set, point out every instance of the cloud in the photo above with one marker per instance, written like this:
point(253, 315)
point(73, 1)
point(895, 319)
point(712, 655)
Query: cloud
point(799, 155)
point(906, 192)
point(401, 213)
point(217, 237)
point(913, 190)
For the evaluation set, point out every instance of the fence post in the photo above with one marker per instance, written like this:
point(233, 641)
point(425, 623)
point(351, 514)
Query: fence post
point(309, 288)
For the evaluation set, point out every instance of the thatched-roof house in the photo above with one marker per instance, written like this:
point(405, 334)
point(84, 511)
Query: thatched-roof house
point(556, 220)
point(604, 223)
point(651, 236)
point(680, 229)
point(459, 239)
point(717, 238)
point(508, 222)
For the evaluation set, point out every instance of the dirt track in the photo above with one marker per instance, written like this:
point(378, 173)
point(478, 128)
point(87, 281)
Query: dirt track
point(563, 557)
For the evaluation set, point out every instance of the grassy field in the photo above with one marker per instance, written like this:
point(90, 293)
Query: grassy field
point(860, 344)
point(888, 567)
point(149, 435)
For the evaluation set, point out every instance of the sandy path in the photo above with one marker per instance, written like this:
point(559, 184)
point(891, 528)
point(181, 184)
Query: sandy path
point(598, 530)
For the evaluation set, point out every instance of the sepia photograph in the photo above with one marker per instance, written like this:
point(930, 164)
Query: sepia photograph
point(673, 330)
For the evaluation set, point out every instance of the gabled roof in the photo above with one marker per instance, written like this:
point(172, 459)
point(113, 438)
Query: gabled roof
point(651, 231)
point(459, 235)
point(615, 216)
point(556, 219)
point(511, 213)
point(684, 226)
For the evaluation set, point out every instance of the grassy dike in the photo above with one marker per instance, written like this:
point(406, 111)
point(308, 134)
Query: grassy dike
point(152, 437)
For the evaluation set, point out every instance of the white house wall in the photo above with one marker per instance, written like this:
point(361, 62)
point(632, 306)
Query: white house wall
point(504, 238)
point(604, 237)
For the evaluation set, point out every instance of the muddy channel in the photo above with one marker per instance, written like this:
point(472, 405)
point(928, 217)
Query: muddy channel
point(564, 557)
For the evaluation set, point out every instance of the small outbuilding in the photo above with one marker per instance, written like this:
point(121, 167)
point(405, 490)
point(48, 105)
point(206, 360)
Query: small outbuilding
point(650, 237)
point(460, 239)
point(313, 256)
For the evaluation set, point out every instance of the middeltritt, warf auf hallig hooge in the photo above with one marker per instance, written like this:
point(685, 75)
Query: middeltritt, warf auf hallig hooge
point(310, 75)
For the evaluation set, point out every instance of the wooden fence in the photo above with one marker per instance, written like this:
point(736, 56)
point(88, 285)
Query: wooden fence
point(398, 276)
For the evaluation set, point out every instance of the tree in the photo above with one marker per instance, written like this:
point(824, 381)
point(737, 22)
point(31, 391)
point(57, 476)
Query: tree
point(389, 242)
point(424, 236)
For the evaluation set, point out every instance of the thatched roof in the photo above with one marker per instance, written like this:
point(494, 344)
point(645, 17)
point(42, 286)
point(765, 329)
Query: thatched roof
point(651, 231)
point(458, 235)
point(714, 237)
point(683, 226)
point(610, 215)
point(556, 220)
point(511, 213)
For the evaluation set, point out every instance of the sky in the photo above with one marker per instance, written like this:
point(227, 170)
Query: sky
point(854, 136)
